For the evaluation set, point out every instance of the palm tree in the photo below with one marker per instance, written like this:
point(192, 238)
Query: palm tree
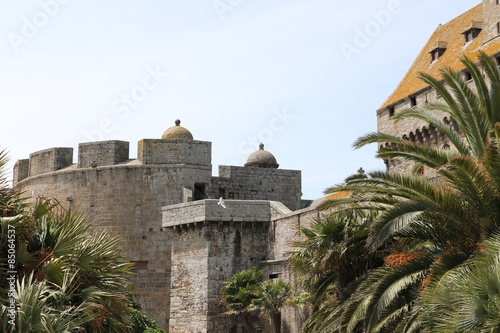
point(10, 201)
point(272, 296)
point(61, 276)
point(238, 292)
point(64, 268)
point(467, 299)
point(431, 226)
point(333, 254)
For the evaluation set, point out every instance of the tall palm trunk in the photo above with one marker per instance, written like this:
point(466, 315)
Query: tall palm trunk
point(245, 319)
point(276, 321)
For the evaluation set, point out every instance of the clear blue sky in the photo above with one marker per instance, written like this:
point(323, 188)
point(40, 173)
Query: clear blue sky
point(304, 77)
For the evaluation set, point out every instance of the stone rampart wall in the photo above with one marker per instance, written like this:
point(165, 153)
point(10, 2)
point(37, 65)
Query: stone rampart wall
point(172, 151)
point(242, 183)
point(49, 160)
point(126, 200)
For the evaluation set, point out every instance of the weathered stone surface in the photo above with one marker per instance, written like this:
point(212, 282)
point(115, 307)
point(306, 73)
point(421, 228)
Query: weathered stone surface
point(184, 247)
point(173, 151)
point(92, 154)
point(48, 160)
point(21, 170)
point(242, 183)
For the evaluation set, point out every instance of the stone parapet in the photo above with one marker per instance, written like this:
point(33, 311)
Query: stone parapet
point(210, 211)
point(242, 183)
point(21, 170)
point(48, 160)
point(173, 151)
point(92, 154)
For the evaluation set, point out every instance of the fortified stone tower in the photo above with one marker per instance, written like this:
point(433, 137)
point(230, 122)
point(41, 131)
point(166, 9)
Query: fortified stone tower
point(180, 266)
point(125, 196)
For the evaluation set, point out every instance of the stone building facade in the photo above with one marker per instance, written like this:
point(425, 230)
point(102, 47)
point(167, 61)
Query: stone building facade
point(165, 207)
point(476, 30)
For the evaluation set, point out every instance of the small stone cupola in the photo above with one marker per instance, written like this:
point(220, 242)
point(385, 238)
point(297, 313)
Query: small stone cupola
point(261, 159)
point(177, 132)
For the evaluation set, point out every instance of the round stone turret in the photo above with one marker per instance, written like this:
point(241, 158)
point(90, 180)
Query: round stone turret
point(261, 159)
point(177, 132)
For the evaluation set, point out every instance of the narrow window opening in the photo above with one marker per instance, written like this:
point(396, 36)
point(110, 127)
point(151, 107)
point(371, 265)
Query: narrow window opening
point(434, 55)
point(469, 36)
point(413, 101)
point(199, 192)
point(274, 275)
point(498, 27)
point(391, 111)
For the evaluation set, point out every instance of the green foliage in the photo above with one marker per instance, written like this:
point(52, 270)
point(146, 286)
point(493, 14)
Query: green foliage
point(240, 289)
point(441, 273)
point(333, 253)
point(142, 323)
point(467, 298)
point(66, 278)
point(245, 293)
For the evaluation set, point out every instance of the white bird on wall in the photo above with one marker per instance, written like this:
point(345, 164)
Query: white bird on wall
point(221, 202)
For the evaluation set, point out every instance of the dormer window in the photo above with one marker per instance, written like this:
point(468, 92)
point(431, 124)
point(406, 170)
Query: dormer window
point(473, 31)
point(438, 51)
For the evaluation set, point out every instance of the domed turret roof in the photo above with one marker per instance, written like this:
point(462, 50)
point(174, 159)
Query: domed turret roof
point(261, 159)
point(177, 132)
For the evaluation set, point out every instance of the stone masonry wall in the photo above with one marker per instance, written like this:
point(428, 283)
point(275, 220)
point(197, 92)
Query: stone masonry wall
point(102, 153)
point(233, 247)
point(283, 233)
point(126, 199)
point(491, 12)
point(48, 160)
point(258, 184)
point(173, 151)
point(204, 255)
point(212, 244)
point(21, 170)
point(412, 129)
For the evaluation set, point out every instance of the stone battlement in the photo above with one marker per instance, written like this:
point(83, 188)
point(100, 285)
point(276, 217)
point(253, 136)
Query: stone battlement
point(164, 206)
point(244, 183)
point(102, 153)
point(210, 211)
point(108, 153)
point(174, 151)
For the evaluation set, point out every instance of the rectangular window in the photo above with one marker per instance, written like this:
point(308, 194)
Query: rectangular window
point(498, 28)
point(391, 111)
point(434, 55)
point(199, 192)
point(413, 101)
point(469, 36)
